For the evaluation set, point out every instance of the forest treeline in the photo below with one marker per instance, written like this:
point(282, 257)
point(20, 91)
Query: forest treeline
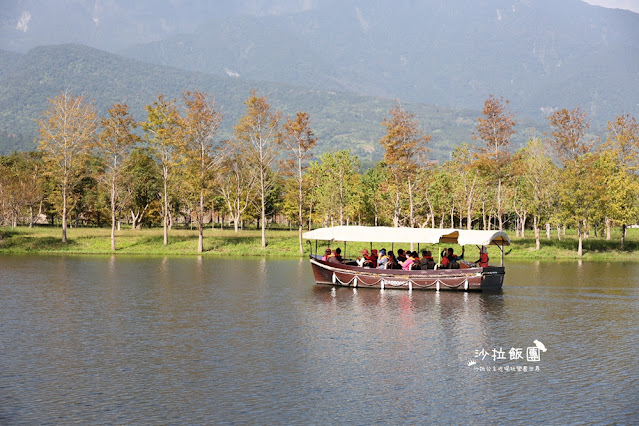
point(173, 167)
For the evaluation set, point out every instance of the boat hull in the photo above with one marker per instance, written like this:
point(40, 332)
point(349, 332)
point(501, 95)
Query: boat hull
point(490, 278)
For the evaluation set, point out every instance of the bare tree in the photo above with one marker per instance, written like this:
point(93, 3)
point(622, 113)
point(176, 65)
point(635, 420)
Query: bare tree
point(67, 131)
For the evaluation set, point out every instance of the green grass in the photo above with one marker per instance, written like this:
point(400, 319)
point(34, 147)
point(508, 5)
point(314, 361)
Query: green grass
point(280, 243)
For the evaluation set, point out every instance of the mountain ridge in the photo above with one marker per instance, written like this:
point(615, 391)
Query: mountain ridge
point(340, 120)
point(453, 54)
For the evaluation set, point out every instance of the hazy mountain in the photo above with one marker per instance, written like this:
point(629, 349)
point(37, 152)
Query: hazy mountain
point(117, 24)
point(340, 120)
point(540, 54)
point(340, 60)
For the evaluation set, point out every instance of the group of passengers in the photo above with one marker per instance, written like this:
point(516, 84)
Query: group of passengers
point(406, 260)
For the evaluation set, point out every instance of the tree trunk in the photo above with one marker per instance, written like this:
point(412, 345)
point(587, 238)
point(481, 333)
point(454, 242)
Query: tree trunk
point(499, 218)
point(64, 213)
point(300, 216)
point(547, 230)
point(559, 232)
point(580, 250)
point(624, 229)
point(113, 215)
point(396, 212)
point(200, 224)
point(165, 222)
point(536, 227)
point(608, 233)
point(30, 216)
point(483, 214)
point(410, 203)
point(452, 215)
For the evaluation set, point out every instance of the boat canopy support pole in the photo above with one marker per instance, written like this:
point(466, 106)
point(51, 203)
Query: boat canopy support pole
point(501, 248)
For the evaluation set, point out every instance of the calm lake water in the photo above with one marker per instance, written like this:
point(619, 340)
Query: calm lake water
point(233, 341)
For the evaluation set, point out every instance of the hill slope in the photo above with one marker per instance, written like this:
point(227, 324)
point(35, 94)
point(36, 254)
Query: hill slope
point(340, 120)
point(541, 55)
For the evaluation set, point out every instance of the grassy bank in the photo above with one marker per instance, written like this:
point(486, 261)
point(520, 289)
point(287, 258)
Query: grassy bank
point(280, 243)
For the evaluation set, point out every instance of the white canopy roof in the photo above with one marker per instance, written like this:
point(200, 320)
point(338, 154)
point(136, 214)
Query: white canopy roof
point(387, 234)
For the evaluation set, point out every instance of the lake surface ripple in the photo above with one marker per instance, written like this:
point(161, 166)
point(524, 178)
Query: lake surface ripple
point(132, 340)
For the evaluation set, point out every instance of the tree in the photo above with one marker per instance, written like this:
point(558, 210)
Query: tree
point(339, 171)
point(623, 144)
point(142, 184)
point(568, 133)
point(568, 139)
point(623, 140)
point(115, 142)
point(439, 196)
point(236, 184)
point(298, 138)
point(201, 124)
point(67, 130)
point(405, 150)
point(374, 192)
point(21, 185)
point(578, 193)
point(165, 138)
point(466, 178)
point(256, 134)
point(539, 176)
point(495, 130)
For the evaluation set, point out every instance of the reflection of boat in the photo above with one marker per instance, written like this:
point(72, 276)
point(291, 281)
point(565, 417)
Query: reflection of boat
point(465, 278)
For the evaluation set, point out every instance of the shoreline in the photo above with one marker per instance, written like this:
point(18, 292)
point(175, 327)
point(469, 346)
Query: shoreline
point(280, 244)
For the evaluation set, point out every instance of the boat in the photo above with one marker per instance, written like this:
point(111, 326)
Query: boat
point(469, 277)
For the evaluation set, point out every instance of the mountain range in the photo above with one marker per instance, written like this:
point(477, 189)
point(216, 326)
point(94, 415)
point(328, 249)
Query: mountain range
point(343, 61)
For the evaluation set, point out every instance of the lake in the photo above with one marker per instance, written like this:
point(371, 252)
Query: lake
point(133, 340)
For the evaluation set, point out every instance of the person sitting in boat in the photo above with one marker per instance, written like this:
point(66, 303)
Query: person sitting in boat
point(453, 257)
point(409, 263)
point(338, 254)
point(334, 257)
point(392, 261)
point(327, 254)
point(367, 260)
point(382, 260)
point(401, 256)
point(483, 257)
point(445, 262)
point(416, 264)
point(427, 261)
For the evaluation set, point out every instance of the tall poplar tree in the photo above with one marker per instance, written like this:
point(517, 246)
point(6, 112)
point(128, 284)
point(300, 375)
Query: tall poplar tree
point(539, 175)
point(341, 175)
point(201, 124)
point(568, 139)
point(495, 129)
point(164, 134)
point(623, 144)
point(568, 134)
point(256, 134)
point(67, 133)
point(298, 138)
point(114, 144)
point(405, 152)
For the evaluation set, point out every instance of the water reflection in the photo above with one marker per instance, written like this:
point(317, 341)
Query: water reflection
point(208, 340)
